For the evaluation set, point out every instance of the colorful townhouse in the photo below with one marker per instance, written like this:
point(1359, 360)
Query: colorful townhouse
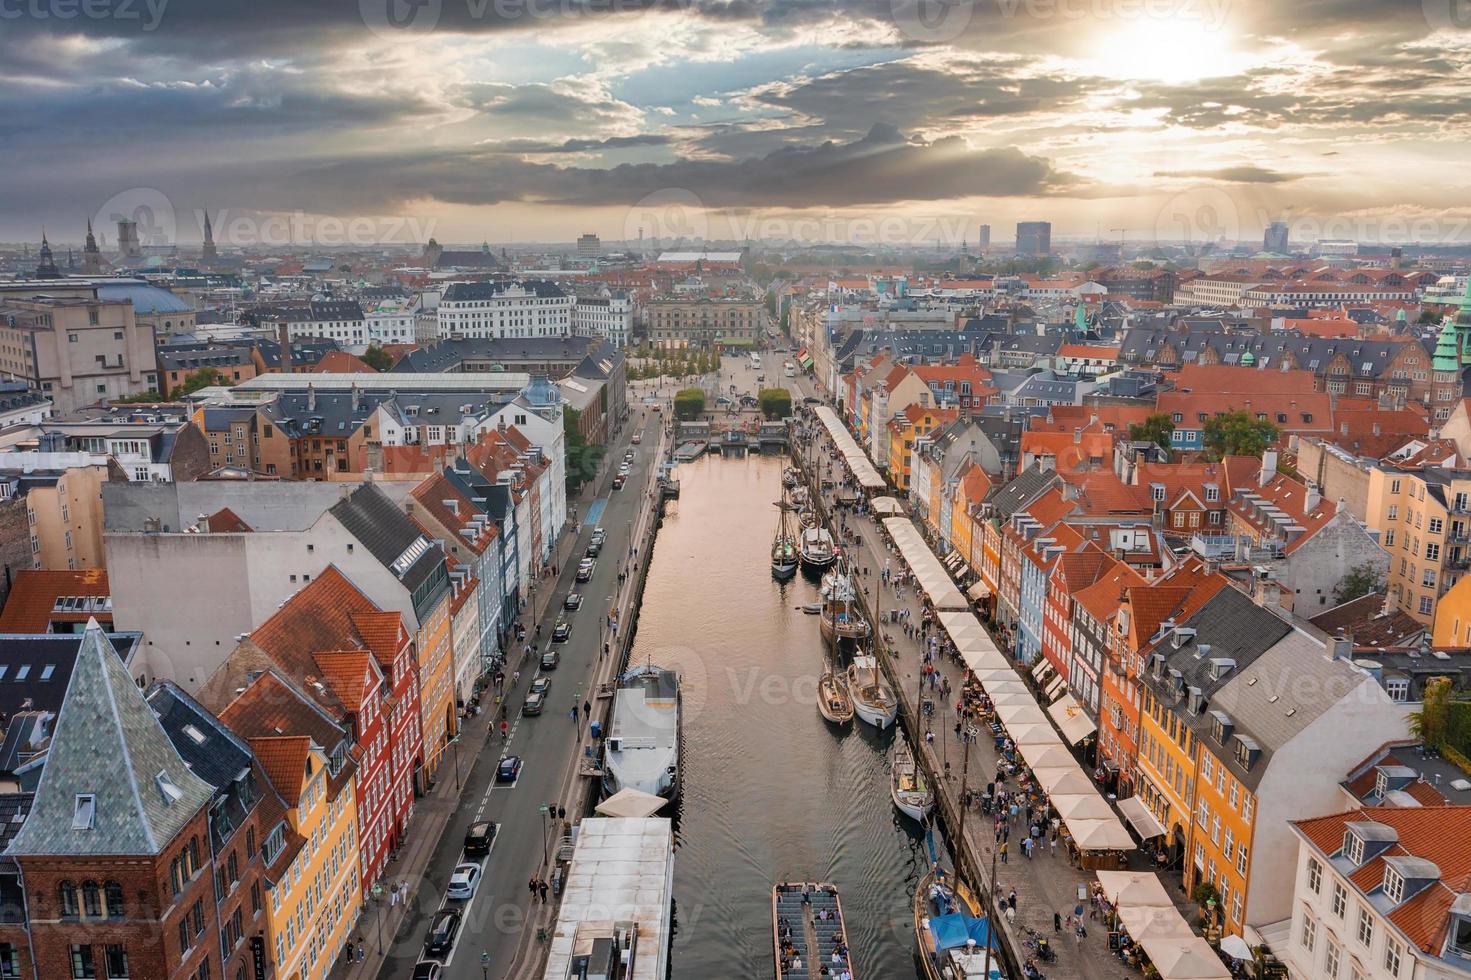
point(906, 428)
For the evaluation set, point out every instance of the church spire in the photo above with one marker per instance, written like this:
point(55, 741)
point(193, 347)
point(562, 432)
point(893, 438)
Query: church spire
point(46, 268)
point(207, 252)
point(1447, 348)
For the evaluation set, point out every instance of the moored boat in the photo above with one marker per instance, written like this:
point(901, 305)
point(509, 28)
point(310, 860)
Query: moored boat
point(816, 549)
point(833, 701)
point(907, 786)
point(841, 618)
point(952, 934)
point(784, 545)
point(642, 747)
point(807, 931)
point(873, 699)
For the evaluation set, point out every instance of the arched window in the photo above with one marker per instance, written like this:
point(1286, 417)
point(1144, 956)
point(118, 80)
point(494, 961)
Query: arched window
point(68, 893)
point(91, 900)
point(113, 892)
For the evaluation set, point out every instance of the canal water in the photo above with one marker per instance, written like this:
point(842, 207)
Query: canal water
point(770, 791)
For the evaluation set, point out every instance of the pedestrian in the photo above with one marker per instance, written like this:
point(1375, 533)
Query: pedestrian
point(586, 710)
point(1057, 922)
point(1002, 852)
point(574, 711)
point(541, 886)
point(531, 885)
point(1052, 845)
point(1011, 915)
point(1011, 898)
point(393, 896)
point(361, 952)
point(1027, 848)
point(1081, 933)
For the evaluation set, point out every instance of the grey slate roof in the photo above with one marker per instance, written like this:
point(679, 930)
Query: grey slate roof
point(108, 744)
point(371, 517)
point(458, 292)
point(448, 355)
point(1029, 484)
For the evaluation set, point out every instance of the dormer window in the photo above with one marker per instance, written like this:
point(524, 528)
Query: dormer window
point(1460, 939)
point(1381, 784)
point(167, 788)
point(1394, 885)
point(84, 811)
point(1353, 848)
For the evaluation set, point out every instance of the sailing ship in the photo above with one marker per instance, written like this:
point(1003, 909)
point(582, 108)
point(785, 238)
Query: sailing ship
point(841, 618)
point(833, 701)
point(807, 929)
point(873, 699)
point(784, 545)
point(907, 786)
point(642, 747)
point(790, 477)
point(953, 937)
point(816, 549)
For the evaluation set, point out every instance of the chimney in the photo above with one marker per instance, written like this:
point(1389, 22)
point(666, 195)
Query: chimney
point(1311, 500)
point(1269, 467)
point(1077, 436)
point(202, 523)
point(1343, 647)
point(356, 396)
point(311, 397)
point(284, 339)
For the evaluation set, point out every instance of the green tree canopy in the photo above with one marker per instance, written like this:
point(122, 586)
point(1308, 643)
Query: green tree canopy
point(776, 403)
point(205, 377)
point(689, 404)
point(1238, 434)
point(582, 457)
point(1359, 582)
point(1157, 428)
point(377, 358)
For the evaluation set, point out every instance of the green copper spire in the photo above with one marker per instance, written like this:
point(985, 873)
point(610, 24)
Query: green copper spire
point(1080, 319)
point(1446, 358)
point(1248, 359)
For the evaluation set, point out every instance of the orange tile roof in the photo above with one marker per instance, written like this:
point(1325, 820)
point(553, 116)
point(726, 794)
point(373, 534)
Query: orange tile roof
point(1071, 451)
point(340, 362)
point(383, 632)
point(284, 759)
point(347, 673)
point(1101, 492)
point(1435, 833)
point(1066, 418)
point(226, 521)
point(1091, 351)
point(1242, 380)
point(31, 606)
point(1101, 599)
point(1323, 327)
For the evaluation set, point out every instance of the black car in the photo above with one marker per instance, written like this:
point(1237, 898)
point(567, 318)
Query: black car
point(443, 931)
point(550, 659)
point(594, 549)
point(428, 970)
point(479, 838)
point(573, 600)
point(562, 632)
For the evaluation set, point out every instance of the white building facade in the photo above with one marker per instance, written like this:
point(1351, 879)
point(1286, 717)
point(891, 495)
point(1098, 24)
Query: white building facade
point(513, 308)
point(608, 317)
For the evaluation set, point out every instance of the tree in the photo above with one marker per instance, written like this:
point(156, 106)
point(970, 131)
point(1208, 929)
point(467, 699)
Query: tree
point(689, 404)
point(1360, 581)
point(1157, 428)
point(205, 377)
point(1428, 724)
point(776, 403)
point(582, 458)
point(1238, 434)
point(377, 358)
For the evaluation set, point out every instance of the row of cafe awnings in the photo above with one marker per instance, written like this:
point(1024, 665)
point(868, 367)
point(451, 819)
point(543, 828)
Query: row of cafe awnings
point(886, 506)
point(1090, 820)
point(804, 359)
point(930, 575)
point(1149, 916)
point(858, 463)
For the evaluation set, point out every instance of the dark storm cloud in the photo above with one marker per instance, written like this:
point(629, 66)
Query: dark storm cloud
point(1235, 175)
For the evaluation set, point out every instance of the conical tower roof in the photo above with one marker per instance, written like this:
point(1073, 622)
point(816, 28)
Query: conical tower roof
point(113, 783)
point(1463, 318)
point(1446, 358)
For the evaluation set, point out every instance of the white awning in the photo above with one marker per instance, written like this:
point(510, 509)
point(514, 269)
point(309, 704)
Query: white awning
point(1006, 697)
point(1041, 669)
point(1152, 921)
point(988, 675)
point(1024, 735)
point(1021, 714)
point(1184, 959)
point(928, 571)
point(1071, 719)
point(886, 506)
point(1041, 756)
point(1063, 780)
point(1140, 818)
point(858, 462)
point(979, 591)
point(630, 802)
point(1081, 806)
point(1134, 888)
point(1100, 835)
point(1055, 687)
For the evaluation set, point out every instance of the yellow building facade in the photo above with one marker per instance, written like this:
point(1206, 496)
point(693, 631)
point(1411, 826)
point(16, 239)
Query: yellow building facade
point(1424, 523)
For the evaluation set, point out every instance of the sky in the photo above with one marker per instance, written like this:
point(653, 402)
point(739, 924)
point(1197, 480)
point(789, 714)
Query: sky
point(889, 122)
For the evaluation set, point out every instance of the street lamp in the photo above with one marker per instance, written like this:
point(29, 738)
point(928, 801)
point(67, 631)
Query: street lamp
point(545, 809)
point(484, 966)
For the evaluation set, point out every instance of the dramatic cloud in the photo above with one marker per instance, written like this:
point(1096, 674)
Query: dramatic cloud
point(1234, 175)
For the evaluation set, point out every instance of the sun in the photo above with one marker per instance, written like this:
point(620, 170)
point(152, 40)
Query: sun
point(1171, 50)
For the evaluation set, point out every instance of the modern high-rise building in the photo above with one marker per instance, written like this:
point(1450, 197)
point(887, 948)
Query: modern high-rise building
point(983, 238)
point(1034, 238)
point(1275, 239)
point(128, 245)
point(589, 246)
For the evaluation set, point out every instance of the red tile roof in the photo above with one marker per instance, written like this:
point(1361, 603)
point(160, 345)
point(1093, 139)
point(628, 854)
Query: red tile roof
point(31, 606)
point(340, 362)
point(1218, 378)
point(226, 521)
point(1101, 599)
point(284, 759)
point(1435, 833)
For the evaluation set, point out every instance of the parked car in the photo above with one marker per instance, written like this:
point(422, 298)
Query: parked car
point(427, 970)
point(599, 534)
point(619, 481)
point(534, 704)
point(628, 456)
point(478, 838)
point(573, 600)
point(509, 769)
point(540, 684)
point(585, 569)
point(463, 882)
point(594, 548)
point(561, 632)
point(444, 929)
point(638, 437)
point(550, 660)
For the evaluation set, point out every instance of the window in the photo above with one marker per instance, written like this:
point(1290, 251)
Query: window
point(1436, 524)
point(91, 900)
point(1389, 538)
point(1330, 959)
point(1340, 899)
point(1426, 604)
point(184, 936)
point(1315, 876)
point(67, 892)
point(1394, 886)
point(115, 961)
point(1392, 952)
point(84, 811)
point(82, 965)
point(1432, 551)
point(1393, 513)
point(1353, 848)
point(1365, 931)
point(113, 892)
point(1309, 932)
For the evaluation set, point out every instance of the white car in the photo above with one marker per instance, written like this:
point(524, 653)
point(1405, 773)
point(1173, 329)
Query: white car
point(463, 882)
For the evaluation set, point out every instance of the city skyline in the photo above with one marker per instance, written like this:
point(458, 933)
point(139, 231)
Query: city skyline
point(901, 122)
